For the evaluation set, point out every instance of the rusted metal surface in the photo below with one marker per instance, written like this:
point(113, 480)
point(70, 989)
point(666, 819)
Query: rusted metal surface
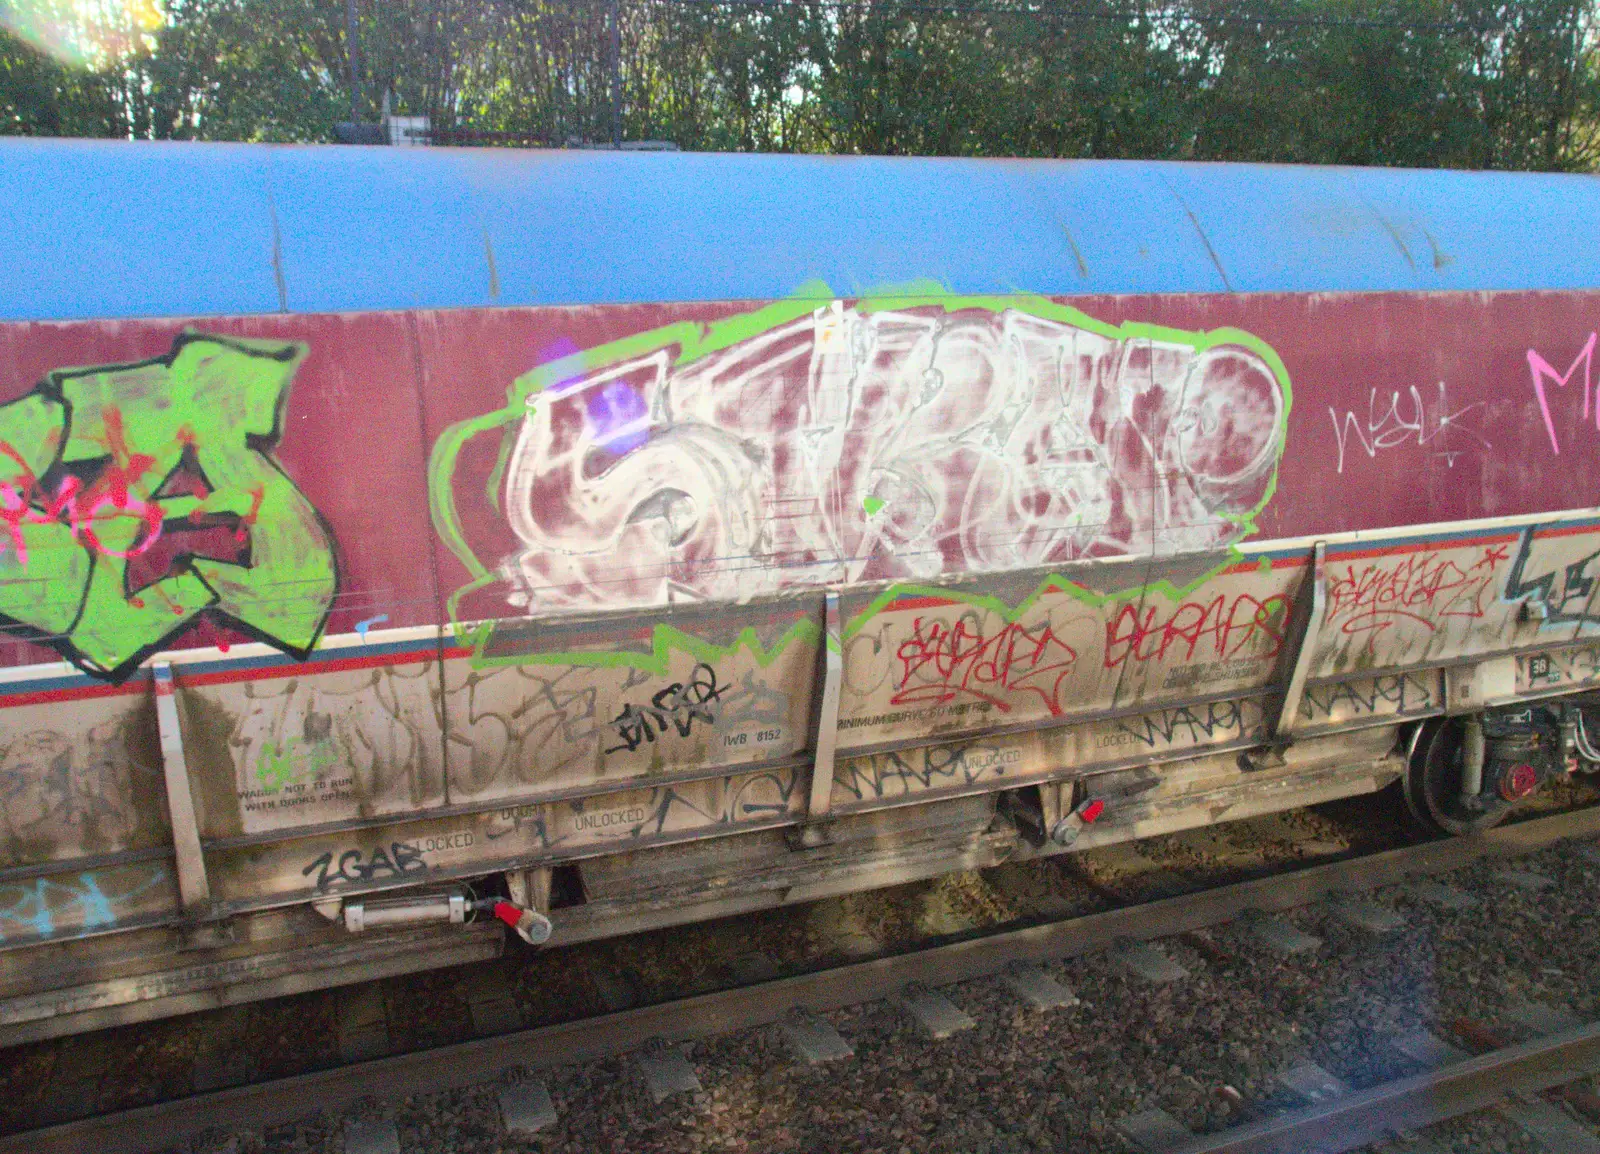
point(153, 1128)
point(450, 593)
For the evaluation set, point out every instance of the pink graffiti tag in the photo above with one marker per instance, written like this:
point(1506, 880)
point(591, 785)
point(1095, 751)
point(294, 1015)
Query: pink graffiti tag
point(1540, 369)
point(946, 662)
point(86, 509)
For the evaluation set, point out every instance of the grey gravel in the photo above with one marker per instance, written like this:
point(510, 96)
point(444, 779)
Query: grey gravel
point(1524, 879)
point(374, 1136)
point(748, 969)
point(1537, 1019)
point(363, 1023)
point(617, 992)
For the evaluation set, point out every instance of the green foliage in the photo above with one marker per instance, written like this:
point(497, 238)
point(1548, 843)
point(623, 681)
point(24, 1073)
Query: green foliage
point(1463, 83)
point(40, 97)
point(1460, 83)
point(248, 70)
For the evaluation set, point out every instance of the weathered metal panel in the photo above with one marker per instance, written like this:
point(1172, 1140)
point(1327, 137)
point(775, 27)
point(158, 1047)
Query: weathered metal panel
point(79, 781)
point(1007, 761)
point(208, 484)
point(168, 489)
point(462, 845)
point(78, 900)
point(555, 439)
point(1438, 597)
point(352, 733)
point(286, 955)
point(1212, 789)
point(1558, 671)
point(568, 707)
point(723, 453)
point(1365, 700)
point(1047, 646)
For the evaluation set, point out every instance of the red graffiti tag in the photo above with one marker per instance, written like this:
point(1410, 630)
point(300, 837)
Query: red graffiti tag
point(1423, 587)
point(946, 662)
point(1222, 627)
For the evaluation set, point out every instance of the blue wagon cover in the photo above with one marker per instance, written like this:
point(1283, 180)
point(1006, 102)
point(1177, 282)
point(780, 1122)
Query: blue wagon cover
point(117, 229)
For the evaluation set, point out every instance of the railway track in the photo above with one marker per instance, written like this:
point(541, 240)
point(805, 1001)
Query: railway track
point(1207, 926)
point(1510, 1078)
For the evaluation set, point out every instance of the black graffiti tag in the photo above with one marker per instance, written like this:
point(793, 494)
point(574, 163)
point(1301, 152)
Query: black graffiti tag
point(1564, 590)
point(677, 706)
point(350, 868)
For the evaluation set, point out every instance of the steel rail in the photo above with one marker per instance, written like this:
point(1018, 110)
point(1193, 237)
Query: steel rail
point(1357, 1120)
point(146, 1129)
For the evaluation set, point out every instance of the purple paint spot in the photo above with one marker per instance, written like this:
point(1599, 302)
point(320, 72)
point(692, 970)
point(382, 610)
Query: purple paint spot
point(556, 349)
point(617, 416)
point(559, 350)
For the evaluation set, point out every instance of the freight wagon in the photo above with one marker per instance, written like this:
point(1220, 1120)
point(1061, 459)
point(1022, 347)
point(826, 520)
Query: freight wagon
point(398, 546)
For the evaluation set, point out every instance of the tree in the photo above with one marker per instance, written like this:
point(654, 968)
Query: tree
point(1466, 83)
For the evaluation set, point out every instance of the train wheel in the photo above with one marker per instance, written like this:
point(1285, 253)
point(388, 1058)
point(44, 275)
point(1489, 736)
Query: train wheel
point(1433, 782)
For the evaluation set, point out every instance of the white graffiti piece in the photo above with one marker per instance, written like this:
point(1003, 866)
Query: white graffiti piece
point(850, 446)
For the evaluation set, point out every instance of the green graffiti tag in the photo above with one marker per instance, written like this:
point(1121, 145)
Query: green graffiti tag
point(135, 498)
point(294, 759)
